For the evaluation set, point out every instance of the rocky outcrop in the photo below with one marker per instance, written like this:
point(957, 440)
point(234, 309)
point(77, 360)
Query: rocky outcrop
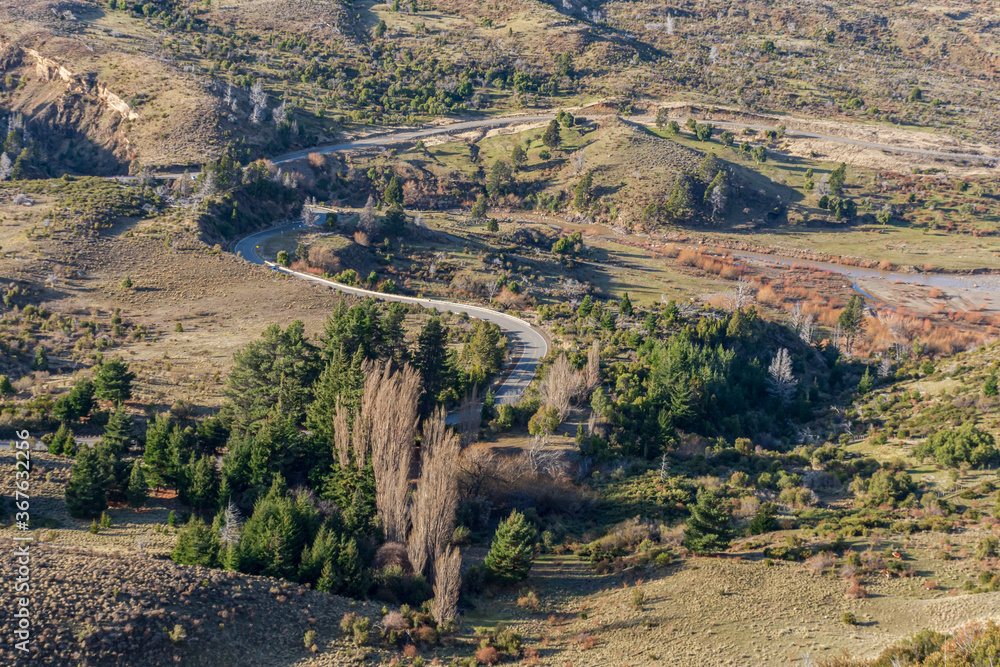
point(50, 70)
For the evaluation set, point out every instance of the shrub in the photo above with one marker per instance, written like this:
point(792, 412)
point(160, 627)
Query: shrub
point(638, 599)
point(528, 600)
point(358, 627)
point(855, 591)
point(849, 618)
point(987, 547)
point(965, 444)
point(310, 639)
point(487, 655)
point(507, 640)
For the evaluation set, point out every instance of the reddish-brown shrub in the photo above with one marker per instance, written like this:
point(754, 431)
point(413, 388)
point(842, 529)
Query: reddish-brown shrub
point(856, 591)
point(410, 651)
point(487, 655)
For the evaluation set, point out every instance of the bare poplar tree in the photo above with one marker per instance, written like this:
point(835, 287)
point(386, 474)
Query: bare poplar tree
point(342, 434)
point(578, 160)
point(309, 217)
point(470, 415)
point(670, 25)
point(435, 501)
point(560, 385)
point(447, 584)
point(782, 382)
point(592, 376)
point(385, 426)
point(6, 167)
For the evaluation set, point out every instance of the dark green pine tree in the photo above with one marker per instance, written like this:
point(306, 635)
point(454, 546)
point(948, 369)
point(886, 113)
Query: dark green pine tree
point(118, 433)
point(6, 387)
point(86, 492)
point(59, 439)
point(551, 136)
point(197, 544)
point(138, 489)
point(341, 379)
point(82, 397)
point(509, 558)
point(707, 528)
point(394, 191)
point(203, 488)
point(763, 521)
point(157, 453)
point(430, 360)
point(626, 306)
point(113, 446)
point(41, 362)
point(180, 451)
point(113, 381)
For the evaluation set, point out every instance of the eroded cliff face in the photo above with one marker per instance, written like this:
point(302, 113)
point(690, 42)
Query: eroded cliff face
point(84, 84)
point(79, 123)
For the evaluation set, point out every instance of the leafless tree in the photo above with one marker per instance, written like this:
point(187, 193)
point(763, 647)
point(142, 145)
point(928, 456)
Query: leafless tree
point(436, 498)
point(540, 459)
point(742, 296)
point(492, 288)
point(342, 434)
point(795, 317)
point(228, 99)
point(6, 167)
point(897, 327)
point(782, 382)
point(713, 55)
point(578, 160)
point(280, 114)
point(717, 199)
point(884, 367)
point(231, 523)
point(560, 386)
point(309, 216)
point(447, 584)
point(385, 426)
point(258, 98)
point(807, 330)
point(470, 415)
point(670, 25)
point(592, 373)
point(368, 221)
point(207, 185)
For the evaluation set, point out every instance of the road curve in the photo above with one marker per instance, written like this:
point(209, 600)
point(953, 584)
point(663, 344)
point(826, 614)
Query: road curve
point(527, 344)
point(399, 137)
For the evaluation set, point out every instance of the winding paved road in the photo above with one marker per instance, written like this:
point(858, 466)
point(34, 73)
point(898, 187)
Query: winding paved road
point(527, 344)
